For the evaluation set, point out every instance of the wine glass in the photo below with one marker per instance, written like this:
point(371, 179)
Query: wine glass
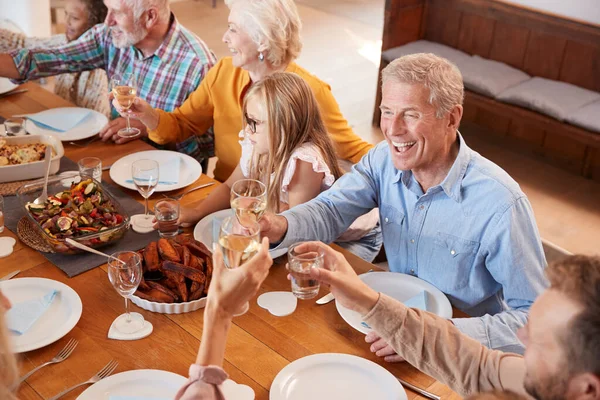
point(248, 200)
point(123, 88)
point(145, 178)
point(125, 274)
point(239, 243)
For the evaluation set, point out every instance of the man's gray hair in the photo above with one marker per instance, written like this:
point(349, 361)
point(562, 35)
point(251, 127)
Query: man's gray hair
point(440, 76)
point(139, 6)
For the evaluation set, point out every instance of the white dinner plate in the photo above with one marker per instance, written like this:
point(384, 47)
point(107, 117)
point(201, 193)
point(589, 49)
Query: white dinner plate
point(189, 169)
point(58, 320)
point(203, 232)
point(401, 287)
point(145, 383)
point(88, 127)
point(335, 376)
point(6, 85)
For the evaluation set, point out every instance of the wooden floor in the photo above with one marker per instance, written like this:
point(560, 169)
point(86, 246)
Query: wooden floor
point(342, 47)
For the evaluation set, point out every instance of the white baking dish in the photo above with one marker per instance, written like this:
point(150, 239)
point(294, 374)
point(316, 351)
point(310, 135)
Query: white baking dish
point(21, 172)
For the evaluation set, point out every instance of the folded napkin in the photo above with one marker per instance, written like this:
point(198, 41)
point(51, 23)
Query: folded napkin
point(22, 316)
point(119, 397)
point(419, 301)
point(60, 122)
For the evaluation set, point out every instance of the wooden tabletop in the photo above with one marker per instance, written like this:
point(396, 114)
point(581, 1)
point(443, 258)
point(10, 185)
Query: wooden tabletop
point(259, 344)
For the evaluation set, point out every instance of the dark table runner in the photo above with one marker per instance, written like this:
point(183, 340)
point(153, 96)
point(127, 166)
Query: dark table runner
point(76, 264)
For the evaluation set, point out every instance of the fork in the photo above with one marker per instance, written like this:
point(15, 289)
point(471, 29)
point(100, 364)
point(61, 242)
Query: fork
point(60, 357)
point(180, 196)
point(103, 373)
point(86, 144)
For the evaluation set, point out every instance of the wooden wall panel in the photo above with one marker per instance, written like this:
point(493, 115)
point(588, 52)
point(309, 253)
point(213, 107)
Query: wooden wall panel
point(509, 44)
point(402, 23)
point(581, 65)
point(442, 24)
point(544, 55)
point(475, 35)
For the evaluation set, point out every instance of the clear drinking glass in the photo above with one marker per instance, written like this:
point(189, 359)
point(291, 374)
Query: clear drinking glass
point(124, 89)
point(239, 243)
point(1, 214)
point(300, 264)
point(90, 167)
point(145, 178)
point(14, 127)
point(167, 213)
point(248, 200)
point(125, 274)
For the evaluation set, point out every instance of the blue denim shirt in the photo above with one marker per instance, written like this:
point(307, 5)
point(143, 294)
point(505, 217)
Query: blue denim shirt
point(473, 236)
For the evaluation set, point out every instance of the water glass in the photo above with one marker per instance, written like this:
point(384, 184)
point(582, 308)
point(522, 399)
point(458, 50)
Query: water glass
point(167, 213)
point(249, 200)
point(90, 167)
point(1, 214)
point(125, 274)
point(300, 264)
point(15, 127)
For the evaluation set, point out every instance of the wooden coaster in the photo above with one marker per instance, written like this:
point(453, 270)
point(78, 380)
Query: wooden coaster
point(30, 235)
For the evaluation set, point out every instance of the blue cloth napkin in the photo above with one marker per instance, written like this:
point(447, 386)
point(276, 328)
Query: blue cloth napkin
point(119, 397)
point(169, 170)
point(22, 316)
point(419, 301)
point(60, 122)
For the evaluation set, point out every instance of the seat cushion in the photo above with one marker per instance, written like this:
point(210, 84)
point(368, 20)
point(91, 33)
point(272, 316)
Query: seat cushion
point(587, 117)
point(491, 78)
point(556, 99)
point(424, 46)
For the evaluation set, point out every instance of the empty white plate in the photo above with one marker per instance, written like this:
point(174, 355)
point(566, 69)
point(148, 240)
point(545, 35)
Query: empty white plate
point(150, 383)
point(58, 320)
point(335, 376)
point(6, 85)
point(189, 169)
point(203, 232)
point(400, 287)
point(88, 127)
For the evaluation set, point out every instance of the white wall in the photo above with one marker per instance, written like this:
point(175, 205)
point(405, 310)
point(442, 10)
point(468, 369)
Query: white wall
point(31, 16)
point(583, 10)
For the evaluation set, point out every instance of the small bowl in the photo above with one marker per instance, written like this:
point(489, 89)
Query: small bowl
point(169, 308)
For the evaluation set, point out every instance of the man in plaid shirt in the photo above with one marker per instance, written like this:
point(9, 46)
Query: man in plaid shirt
point(139, 36)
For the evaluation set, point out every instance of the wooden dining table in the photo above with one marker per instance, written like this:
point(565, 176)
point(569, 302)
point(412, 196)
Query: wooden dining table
point(259, 344)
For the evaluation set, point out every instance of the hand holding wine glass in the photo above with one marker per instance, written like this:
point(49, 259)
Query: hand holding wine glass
point(124, 93)
point(248, 200)
point(145, 177)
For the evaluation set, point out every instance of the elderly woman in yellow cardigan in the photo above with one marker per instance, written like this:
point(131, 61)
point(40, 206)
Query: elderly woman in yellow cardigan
point(263, 38)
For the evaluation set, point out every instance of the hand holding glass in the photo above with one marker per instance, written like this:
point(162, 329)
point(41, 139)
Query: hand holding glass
point(125, 276)
point(123, 88)
point(300, 264)
point(248, 200)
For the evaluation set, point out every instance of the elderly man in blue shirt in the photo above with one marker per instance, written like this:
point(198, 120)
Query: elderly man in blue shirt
point(449, 216)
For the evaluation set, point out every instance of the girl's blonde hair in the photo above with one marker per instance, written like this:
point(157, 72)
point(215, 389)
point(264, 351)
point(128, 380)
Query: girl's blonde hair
point(275, 24)
point(8, 363)
point(294, 119)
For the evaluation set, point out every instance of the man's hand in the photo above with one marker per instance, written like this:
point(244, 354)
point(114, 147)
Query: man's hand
point(381, 348)
point(273, 227)
point(109, 132)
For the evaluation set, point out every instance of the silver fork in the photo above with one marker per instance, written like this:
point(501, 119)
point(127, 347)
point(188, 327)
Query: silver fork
point(60, 357)
point(103, 373)
point(180, 196)
point(86, 144)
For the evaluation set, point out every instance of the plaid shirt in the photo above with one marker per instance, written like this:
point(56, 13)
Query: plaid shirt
point(164, 79)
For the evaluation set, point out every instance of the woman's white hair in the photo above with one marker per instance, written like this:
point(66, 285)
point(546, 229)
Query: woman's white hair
point(440, 76)
point(139, 6)
point(274, 24)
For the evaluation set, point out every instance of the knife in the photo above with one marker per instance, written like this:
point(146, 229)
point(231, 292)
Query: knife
point(11, 93)
point(11, 275)
point(325, 299)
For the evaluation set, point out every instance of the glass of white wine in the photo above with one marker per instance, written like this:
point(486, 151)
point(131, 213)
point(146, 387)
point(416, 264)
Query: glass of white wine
point(145, 178)
point(239, 243)
point(123, 88)
point(248, 200)
point(125, 274)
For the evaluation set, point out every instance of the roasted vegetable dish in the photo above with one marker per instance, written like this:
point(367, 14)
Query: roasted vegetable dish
point(82, 210)
point(175, 270)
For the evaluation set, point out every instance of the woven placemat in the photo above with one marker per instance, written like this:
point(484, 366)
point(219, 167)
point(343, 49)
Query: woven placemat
point(30, 235)
point(10, 188)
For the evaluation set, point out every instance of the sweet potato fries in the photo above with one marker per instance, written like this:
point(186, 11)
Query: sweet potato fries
point(175, 270)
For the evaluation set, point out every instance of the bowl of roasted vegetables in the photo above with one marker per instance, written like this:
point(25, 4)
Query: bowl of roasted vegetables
point(83, 211)
point(177, 273)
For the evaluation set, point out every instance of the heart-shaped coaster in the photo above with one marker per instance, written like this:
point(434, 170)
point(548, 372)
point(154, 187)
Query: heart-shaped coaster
point(113, 333)
point(280, 304)
point(237, 391)
point(139, 227)
point(6, 246)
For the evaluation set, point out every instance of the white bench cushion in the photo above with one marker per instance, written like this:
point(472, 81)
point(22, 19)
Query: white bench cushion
point(491, 78)
point(587, 117)
point(424, 46)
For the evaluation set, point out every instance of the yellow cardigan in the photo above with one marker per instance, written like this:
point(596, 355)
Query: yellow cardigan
point(217, 102)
